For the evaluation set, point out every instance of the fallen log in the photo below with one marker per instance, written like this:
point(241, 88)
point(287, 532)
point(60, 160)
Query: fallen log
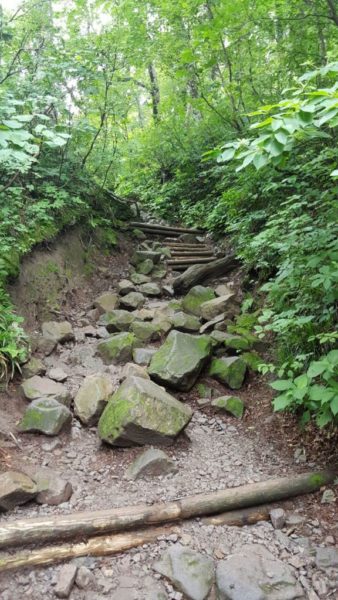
point(28, 531)
point(96, 546)
point(168, 228)
point(197, 273)
point(239, 518)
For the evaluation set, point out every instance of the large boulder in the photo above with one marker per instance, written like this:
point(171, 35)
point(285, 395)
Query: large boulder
point(194, 299)
point(106, 302)
point(151, 463)
point(217, 306)
point(133, 300)
point(141, 412)
point(254, 573)
point(92, 397)
point(117, 348)
point(117, 320)
point(189, 571)
point(180, 360)
point(45, 415)
point(229, 370)
point(184, 322)
point(42, 387)
point(58, 332)
point(15, 489)
point(145, 331)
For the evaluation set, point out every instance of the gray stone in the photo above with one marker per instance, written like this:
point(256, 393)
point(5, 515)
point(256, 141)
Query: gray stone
point(213, 323)
point(133, 300)
point(125, 286)
point(58, 332)
point(66, 580)
point(141, 255)
point(229, 370)
point(85, 579)
point(145, 331)
point(143, 356)
point(150, 289)
point(326, 557)
point(222, 290)
point(184, 322)
point(168, 290)
point(106, 302)
point(15, 489)
point(212, 308)
point(145, 267)
point(231, 404)
point(42, 387)
point(180, 360)
point(159, 271)
point(33, 367)
point(52, 489)
point(45, 415)
point(253, 573)
point(57, 374)
point(131, 369)
point(141, 412)
point(91, 398)
point(117, 320)
point(277, 517)
point(151, 463)
point(194, 299)
point(117, 348)
point(139, 278)
point(190, 572)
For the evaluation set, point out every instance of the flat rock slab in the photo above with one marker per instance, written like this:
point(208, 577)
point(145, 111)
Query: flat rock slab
point(133, 300)
point(45, 415)
point(117, 320)
point(215, 307)
point(194, 299)
point(92, 397)
point(190, 572)
point(151, 463)
point(15, 489)
point(230, 404)
point(229, 370)
point(117, 348)
point(42, 387)
point(58, 332)
point(180, 360)
point(106, 302)
point(141, 412)
point(254, 573)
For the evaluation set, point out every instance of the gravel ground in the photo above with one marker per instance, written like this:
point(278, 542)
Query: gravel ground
point(215, 452)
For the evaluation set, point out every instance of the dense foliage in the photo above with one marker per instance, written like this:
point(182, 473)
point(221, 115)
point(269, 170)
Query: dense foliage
point(220, 114)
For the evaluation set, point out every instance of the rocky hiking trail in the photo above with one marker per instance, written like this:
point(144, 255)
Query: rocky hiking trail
point(141, 397)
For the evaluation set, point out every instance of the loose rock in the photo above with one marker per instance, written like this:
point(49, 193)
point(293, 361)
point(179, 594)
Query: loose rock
point(45, 415)
point(194, 299)
point(150, 289)
point(151, 463)
point(145, 331)
point(125, 287)
point(42, 387)
point(180, 360)
point(145, 267)
point(141, 412)
point(138, 278)
point(143, 356)
point(33, 367)
point(85, 579)
point(117, 348)
point(277, 517)
point(66, 580)
point(133, 300)
point(212, 308)
point(15, 489)
point(229, 370)
point(58, 332)
point(131, 369)
point(185, 322)
point(106, 302)
point(117, 320)
point(231, 404)
point(91, 398)
point(57, 374)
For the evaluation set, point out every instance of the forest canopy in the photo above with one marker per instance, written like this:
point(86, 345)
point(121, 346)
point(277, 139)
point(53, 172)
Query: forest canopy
point(212, 113)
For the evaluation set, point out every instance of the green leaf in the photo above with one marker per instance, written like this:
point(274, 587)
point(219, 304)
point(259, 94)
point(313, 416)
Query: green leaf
point(281, 402)
point(334, 405)
point(316, 368)
point(281, 385)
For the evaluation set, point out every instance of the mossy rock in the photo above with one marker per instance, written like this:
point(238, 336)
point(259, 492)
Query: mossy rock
point(117, 320)
point(145, 266)
point(231, 404)
point(236, 342)
point(180, 360)
point(138, 278)
point(229, 370)
point(91, 398)
point(42, 387)
point(252, 360)
point(217, 306)
point(145, 331)
point(107, 302)
point(133, 300)
point(184, 322)
point(33, 367)
point(117, 348)
point(139, 234)
point(141, 412)
point(45, 415)
point(194, 299)
point(159, 272)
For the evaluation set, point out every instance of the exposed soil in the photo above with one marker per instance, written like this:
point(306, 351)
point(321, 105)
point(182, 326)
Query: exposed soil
point(216, 451)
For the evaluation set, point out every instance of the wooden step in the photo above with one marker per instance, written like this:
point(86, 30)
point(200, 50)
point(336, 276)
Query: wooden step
point(190, 261)
point(191, 253)
point(188, 246)
point(167, 228)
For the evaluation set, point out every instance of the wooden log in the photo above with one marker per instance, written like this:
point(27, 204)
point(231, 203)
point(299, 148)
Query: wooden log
point(168, 228)
point(192, 253)
point(198, 273)
point(239, 518)
point(38, 530)
point(96, 546)
point(191, 261)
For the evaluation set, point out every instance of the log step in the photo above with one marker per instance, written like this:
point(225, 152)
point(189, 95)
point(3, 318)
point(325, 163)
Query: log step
point(188, 246)
point(176, 253)
point(167, 228)
point(191, 261)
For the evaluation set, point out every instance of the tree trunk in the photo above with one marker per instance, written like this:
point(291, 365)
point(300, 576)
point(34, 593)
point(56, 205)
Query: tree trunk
point(154, 92)
point(80, 524)
point(197, 273)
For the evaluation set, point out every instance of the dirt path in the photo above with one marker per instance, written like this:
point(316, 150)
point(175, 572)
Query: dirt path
point(216, 451)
